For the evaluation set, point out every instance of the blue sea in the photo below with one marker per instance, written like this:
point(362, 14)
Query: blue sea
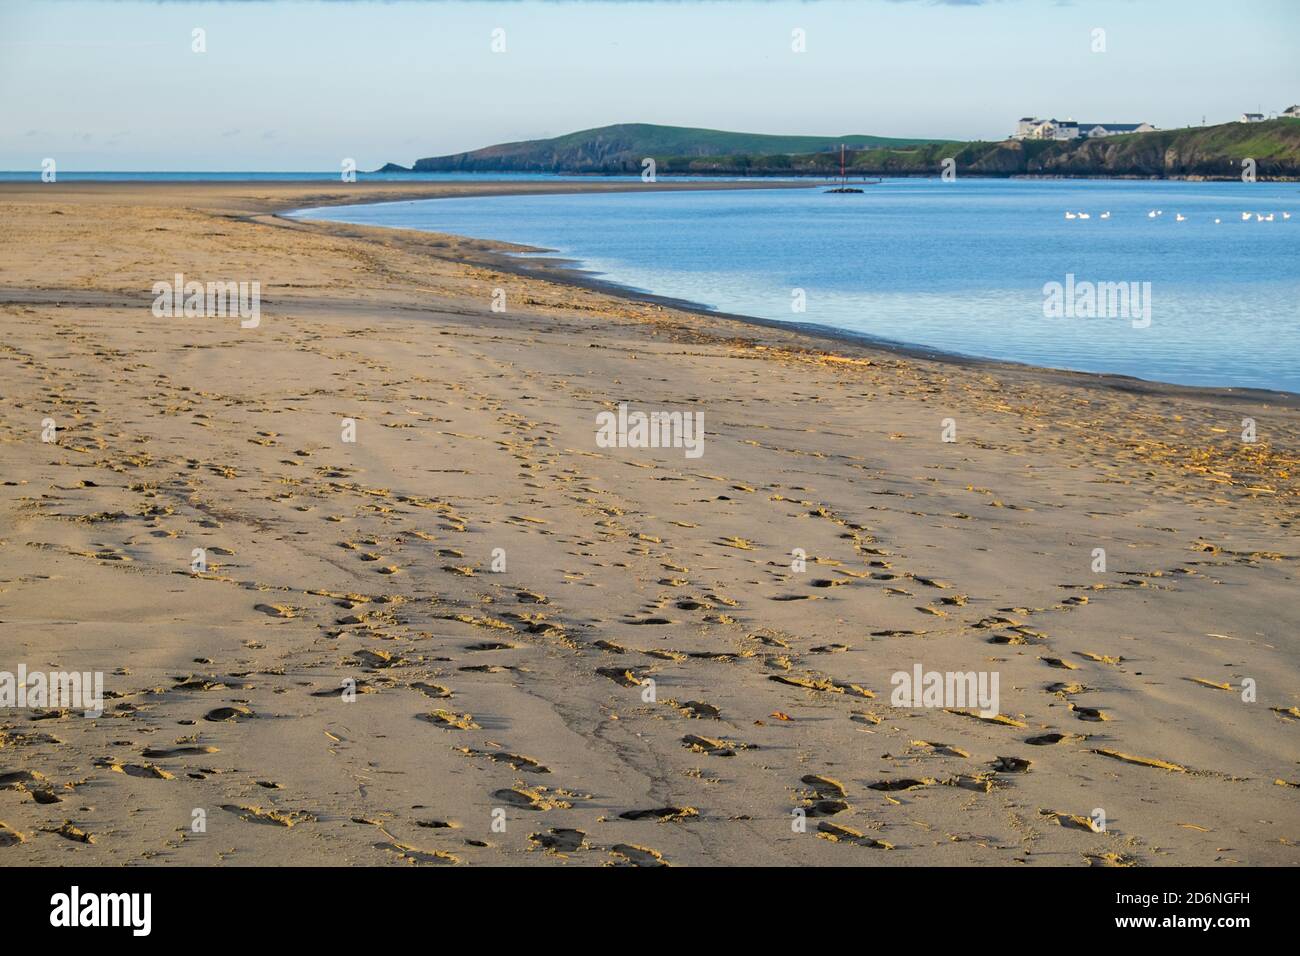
point(130, 176)
point(959, 267)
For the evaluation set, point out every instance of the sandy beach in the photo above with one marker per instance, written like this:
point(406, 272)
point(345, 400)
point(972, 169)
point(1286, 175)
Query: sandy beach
point(570, 654)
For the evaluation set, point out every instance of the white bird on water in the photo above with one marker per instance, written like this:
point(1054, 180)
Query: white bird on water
point(1070, 215)
point(1217, 220)
point(1179, 217)
point(1286, 215)
point(1105, 215)
point(1258, 217)
point(1245, 217)
point(1084, 215)
point(1151, 214)
point(1268, 218)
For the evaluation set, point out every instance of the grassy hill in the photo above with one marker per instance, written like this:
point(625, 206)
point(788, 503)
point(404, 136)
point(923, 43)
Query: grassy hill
point(621, 148)
point(1210, 152)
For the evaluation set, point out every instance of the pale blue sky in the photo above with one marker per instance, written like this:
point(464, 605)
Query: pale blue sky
point(300, 85)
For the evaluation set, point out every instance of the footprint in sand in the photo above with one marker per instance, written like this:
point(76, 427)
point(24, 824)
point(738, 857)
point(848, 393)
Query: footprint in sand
point(943, 750)
point(70, 831)
point(842, 834)
point(823, 684)
point(620, 675)
point(32, 782)
point(21, 779)
point(695, 708)
point(1068, 820)
point(145, 771)
point(378, 658)
point(995, 719)
point(514, 761)
point(276, 610)
point(661, 814)
point(1012, 765)
point(1088, 713)
point(560, 840)
point(1100, 658)
point(235, 712)
point(361, 687)
point(714, 748)
point(532, 798)
point(826, 787)
point(413, 855)
point(907, 783)
point(449, 720)
point(270, 817)
point(1044, 740)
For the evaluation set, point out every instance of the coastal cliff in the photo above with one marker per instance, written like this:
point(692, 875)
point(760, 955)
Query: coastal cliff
point(622, 148)
point(1206, 152)
point(1210, 152)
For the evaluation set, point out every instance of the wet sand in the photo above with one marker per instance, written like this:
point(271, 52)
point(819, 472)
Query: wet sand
point(648, 680)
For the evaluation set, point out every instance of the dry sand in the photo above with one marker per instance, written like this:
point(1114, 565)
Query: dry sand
point(524, 691)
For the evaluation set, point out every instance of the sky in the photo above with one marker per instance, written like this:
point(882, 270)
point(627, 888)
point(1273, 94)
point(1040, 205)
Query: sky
point(301, 85)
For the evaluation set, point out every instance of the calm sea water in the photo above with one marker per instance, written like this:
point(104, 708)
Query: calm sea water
point(957, 266)
point(34, 176)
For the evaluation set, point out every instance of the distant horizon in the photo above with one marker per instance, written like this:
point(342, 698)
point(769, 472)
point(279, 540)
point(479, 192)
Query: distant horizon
point(326, 171)
point(120, 86)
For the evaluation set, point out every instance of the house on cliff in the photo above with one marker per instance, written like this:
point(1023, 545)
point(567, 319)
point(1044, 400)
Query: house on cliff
point(1030, 127)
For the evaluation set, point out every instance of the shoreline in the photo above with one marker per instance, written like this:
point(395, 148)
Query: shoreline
point(563, 270)
point(857, 177)
point(503, 256)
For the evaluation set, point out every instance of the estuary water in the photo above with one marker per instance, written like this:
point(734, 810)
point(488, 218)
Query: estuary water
point(958, 266)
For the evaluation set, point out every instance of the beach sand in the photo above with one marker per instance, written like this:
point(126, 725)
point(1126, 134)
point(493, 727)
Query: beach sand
point(648, 680)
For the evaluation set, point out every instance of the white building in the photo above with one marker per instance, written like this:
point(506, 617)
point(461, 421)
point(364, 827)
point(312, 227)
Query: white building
point(1292, 111)
point(1026, 126)
point(1251, 118)
point(1031, 127)
point(1094, 130)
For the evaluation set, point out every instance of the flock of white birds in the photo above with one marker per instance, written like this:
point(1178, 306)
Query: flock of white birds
point(1179, 217)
